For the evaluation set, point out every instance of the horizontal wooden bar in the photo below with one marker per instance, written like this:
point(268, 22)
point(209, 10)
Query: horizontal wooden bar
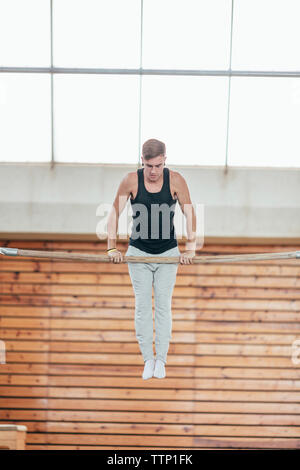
point(146, 259)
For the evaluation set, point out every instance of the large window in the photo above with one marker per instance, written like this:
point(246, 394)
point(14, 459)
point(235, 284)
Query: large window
point(89, 81)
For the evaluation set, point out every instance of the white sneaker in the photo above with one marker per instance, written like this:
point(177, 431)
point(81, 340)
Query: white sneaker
point(149, 369)
point(159, 370)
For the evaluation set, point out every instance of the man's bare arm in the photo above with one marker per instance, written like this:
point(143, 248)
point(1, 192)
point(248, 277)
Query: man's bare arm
point(119, 204)
point(188, 210)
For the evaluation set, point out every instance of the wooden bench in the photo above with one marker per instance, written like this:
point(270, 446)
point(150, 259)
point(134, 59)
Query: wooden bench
point(12, 436)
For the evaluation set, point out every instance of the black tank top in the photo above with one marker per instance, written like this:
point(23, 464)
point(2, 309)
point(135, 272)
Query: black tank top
point(157, 233)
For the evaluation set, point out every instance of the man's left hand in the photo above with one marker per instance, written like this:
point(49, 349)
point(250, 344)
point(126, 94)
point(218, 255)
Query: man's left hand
point(187, 257)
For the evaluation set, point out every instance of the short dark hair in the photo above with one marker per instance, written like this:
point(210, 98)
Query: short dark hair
point(153, 148)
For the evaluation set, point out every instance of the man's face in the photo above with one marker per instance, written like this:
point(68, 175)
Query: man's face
point(154, 167)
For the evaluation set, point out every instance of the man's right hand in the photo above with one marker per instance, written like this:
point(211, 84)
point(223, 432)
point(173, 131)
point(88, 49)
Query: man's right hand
point(115, 256)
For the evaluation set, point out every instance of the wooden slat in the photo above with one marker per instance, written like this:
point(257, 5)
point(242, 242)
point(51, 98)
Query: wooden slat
point(228, 340)
point(158, 406)
point(132, 370)
point(168, 383)
point(29, 417)
point(289, 304)
point(151, 394)
point(102, 428)
point(183, 361)
point(222, 315)
point(206, 348)
point(126, 291)
point(260, 268)
point(174, 441)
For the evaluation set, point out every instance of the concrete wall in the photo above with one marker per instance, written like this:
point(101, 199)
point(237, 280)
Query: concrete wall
point(39, 201)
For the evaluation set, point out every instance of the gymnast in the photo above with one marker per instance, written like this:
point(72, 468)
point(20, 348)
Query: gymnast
point(153, 188)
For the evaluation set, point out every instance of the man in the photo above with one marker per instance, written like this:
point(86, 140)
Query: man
point(153, 189)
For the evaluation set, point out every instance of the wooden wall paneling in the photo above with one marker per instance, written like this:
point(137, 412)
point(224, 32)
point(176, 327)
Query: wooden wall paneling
point(73, 371)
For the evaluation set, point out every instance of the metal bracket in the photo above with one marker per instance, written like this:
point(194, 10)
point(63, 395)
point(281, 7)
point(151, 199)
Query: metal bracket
point(9, 251)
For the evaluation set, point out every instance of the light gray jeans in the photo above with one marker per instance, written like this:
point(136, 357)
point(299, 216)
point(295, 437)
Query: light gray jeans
point(162, 277)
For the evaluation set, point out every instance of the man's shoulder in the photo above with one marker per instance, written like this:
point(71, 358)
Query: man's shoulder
point(174, 173)
point(176, 177)
point(130, 179)
point(131, 176)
